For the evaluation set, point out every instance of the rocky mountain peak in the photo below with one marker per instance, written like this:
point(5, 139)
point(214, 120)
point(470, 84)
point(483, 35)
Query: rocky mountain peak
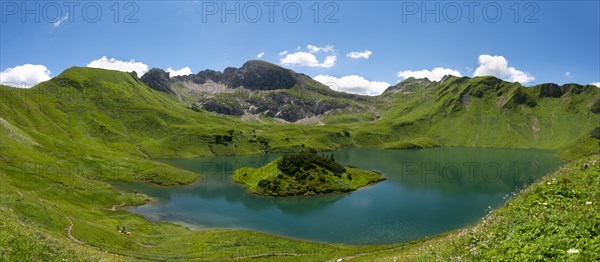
point(159, 80)
point(253, 75)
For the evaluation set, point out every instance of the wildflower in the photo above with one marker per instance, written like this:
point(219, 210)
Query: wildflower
point(588, 202)
point(549, 183)
point(572, 251)
point(545, 204)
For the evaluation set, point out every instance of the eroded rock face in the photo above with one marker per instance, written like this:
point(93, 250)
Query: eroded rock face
point(257, 87)
point(253, 75)
point(159, 80)
point(596, 107)
point(550, 90)
point(258, 75)
point(281, 104)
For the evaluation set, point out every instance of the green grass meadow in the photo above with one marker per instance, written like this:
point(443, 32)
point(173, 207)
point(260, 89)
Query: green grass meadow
point(63, 141)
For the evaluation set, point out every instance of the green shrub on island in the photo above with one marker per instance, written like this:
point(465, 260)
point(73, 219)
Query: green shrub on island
point(304, 174)
point(297, 165)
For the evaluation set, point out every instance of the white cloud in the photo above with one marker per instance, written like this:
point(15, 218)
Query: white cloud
point(307, 59)
point(595, 84)
point(60, 20)
point(435, 74)
point(260, 55)
point(329, 61)
point(125, 66)
point(358, 55)
point(353, 84)
point(316, 49)
point(568, 74)
point(181, 72)
point(498, 66)
point(26, 75)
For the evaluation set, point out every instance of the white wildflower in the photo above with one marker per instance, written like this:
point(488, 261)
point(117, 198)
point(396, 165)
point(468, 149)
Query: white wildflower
point(588, 202)
point(572, 251)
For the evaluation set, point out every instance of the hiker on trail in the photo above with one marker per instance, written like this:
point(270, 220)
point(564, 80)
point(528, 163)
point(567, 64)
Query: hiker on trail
point(117, 227)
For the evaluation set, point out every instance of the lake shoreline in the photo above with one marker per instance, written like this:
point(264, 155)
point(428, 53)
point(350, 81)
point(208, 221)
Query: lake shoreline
point(214, 187)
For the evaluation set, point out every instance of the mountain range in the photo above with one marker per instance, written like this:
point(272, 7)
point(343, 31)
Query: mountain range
point(262, 107)
point(256, 88)
point(62, 140)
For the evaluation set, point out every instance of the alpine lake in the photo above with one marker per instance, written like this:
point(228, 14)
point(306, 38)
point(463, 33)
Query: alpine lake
point(427, 192)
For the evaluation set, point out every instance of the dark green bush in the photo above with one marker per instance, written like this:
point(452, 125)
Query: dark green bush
point(299, 165)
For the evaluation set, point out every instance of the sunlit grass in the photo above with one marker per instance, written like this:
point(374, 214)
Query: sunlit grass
point(61, 141)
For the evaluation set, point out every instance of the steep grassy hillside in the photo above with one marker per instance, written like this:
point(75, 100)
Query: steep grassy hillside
point(483, 112)
point(98, 120)
point(115, 111)
point(62, 140)
point(105, 119)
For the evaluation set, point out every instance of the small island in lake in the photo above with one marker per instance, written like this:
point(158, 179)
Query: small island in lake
point(304, 174)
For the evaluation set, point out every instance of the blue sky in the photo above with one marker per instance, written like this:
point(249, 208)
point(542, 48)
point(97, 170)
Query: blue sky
point(550, 41)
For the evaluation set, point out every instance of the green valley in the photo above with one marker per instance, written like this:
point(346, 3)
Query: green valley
point(64, 140)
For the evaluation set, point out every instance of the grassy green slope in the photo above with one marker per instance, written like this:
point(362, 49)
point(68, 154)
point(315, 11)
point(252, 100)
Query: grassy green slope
point(483, 112)
point(588, 144)
point(114, 109)
point(60, 139)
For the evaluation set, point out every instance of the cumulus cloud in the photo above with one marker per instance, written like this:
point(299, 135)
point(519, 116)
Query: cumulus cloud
point(181, 72)
point(568, 74)
point(435, 74)
point(595, 84)
point(329, 61)
point(358, 55)
point(498, 66)
point(353, 84)
point(61, 20)
point(316, 49)
point(114, 64)
point(260, 55)
point(26, 75)
point(307, 59)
